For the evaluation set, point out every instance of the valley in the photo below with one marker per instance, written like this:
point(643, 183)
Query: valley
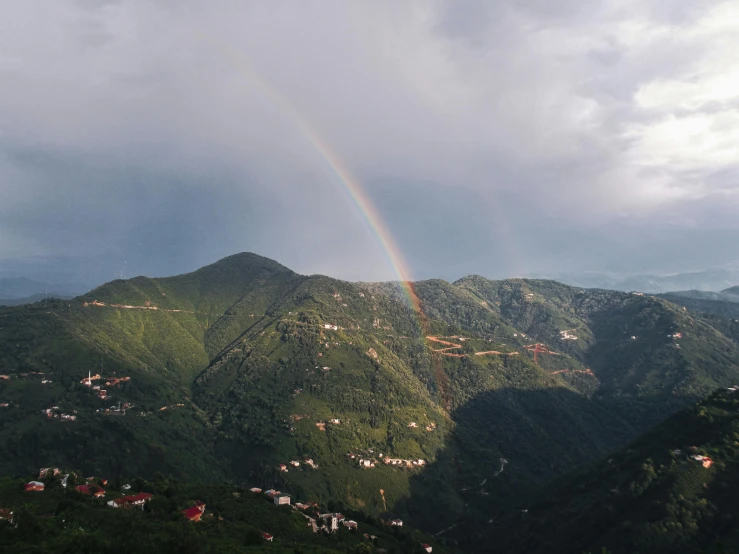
point(248, 373)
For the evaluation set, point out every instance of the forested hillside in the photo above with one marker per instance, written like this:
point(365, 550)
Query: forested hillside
point(246, 371)
point(673, 490)
point(66, 517)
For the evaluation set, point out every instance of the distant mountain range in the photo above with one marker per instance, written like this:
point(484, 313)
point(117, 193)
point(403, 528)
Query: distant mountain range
point(713, 280)
point(342, 392)
point(21, 290)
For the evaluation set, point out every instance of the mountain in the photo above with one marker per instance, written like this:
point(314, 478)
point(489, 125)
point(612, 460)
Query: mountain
point(724, 303)
point(228, 373)
point(657, 495)
point(708, 280)
point(17, 288)
point(32, 299)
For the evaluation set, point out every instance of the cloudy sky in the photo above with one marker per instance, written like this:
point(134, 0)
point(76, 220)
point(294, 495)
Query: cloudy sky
point(494, 137)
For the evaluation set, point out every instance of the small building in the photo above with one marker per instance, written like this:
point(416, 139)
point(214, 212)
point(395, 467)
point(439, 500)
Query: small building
point(412, 425)
point(332, 523)
point(37, 486)
point(130, 501)
point(335, 421)
point(194, 513)
point(140, 499)
point(282, 499)
point(705, 461)
point(85, 489)
point(427, 547)
point(301, 506)
point(283, 467)
point(350, 524)
point(295, 463)
point(267, 537)
point(256, 490)
point(396, 522)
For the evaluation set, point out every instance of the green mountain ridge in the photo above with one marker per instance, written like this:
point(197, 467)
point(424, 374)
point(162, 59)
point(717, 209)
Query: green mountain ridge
point(252, 361)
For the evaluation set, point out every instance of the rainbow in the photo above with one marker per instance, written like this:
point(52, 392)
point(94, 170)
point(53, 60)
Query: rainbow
point(350, 184)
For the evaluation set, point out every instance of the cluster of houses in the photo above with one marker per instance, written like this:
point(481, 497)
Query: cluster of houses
point(329, 521)
point(109, 381)
point(404, 463)
point(119, 410)
point(370, 462)
point(295, 463)
point(94, 488)
point(55, 413)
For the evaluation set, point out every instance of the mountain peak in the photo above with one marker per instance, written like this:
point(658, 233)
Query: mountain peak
point(247, 261)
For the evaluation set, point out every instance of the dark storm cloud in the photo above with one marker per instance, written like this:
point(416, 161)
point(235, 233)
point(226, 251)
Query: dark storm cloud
point(482, 130)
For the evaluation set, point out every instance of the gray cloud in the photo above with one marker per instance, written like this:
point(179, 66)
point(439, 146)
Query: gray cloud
point(167, 135)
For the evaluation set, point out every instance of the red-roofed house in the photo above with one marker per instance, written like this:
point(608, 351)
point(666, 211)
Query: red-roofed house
point(138, 499)
point(267, 537)
point(426, 547)
point(35, 486)
point(133, 500)
point(195, 513)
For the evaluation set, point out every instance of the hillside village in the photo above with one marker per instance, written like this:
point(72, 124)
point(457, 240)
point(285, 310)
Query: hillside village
point(103, 493)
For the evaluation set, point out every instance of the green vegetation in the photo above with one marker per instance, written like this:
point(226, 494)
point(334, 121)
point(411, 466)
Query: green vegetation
point(651, 497)
point(66, 521)
point(241, 366)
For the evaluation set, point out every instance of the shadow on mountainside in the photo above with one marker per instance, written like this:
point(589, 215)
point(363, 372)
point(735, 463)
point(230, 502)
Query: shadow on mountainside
point(505, 444)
